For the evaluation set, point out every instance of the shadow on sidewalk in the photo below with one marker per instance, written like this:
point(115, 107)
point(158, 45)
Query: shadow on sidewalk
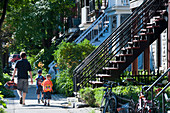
point(46, 107)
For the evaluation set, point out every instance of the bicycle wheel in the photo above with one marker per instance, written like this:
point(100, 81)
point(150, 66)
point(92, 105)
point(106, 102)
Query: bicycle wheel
point(110, 105)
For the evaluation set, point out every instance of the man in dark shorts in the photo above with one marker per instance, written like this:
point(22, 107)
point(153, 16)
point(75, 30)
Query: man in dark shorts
point(22, 67)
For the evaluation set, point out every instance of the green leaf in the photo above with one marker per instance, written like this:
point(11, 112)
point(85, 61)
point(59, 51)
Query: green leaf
point(3, 104)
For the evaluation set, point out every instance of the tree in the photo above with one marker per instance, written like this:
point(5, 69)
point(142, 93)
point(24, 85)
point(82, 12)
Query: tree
point(4, 8)
point(38, 22)
point(33, 23)
point(69, 55)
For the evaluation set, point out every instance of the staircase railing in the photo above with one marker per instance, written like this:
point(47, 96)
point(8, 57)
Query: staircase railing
point(72, 37)
point(59, 40)
point(158, 80)
point(161, 92)
point(101, 56)
point(95, 29)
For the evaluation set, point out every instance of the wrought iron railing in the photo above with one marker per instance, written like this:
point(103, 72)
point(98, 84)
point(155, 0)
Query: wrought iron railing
point(141, 78)
point(73, 36)
point(161, 92)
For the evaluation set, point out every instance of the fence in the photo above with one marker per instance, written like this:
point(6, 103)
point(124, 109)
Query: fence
point(142, 78)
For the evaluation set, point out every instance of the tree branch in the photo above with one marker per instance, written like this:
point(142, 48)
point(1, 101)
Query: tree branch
point(3, 13)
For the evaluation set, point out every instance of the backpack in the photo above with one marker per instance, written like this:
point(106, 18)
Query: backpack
point(47, 86)
point(40, 79)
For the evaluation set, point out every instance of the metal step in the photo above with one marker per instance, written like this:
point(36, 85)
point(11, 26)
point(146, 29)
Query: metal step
point(132, 47)
point(125, 54)
point(96, 82)
point(109, 68)
point(103, 75)
point(117, 61)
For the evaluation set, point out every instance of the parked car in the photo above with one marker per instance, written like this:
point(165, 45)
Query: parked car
point(14, 58)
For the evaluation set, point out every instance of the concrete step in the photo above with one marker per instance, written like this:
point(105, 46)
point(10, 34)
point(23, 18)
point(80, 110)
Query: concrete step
point(96, 43)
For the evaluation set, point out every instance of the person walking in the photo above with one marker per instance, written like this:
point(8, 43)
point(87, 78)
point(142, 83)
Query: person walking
point(22, 67)
point(39, 89)
point(47, 88)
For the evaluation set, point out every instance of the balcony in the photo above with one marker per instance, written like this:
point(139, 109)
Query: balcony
point(97, 6)
point(113, 3)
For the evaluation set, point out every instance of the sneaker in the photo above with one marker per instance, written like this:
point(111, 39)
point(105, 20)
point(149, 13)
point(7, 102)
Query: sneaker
point(20, 100)
point(38, 101)
point(42, 100)
point(48, 104)
point(45, 104)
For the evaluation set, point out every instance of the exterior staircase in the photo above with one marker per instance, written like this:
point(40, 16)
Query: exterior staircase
point(97, 32)
point(123, 46)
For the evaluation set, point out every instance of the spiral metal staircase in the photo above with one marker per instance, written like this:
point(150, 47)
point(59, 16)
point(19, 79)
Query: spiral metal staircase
point(123, 46)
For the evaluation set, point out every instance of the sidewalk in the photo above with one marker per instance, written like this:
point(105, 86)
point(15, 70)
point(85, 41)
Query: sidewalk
point(58, 104)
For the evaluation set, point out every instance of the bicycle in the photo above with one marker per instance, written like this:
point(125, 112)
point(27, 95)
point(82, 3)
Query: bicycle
point(145, 105)
point(110, 101)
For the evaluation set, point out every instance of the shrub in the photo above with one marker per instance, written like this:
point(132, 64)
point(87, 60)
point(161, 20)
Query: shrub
point(128, 91)
point(6, 92)
point(5, 78)
point(2, 110)
point(87, 95)
point(68, 56)
point(96, 94)
point(64, 83)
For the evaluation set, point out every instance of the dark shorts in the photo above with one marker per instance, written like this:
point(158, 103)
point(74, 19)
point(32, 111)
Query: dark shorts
point(39, 90)
point(22, 85)
point(47, 95)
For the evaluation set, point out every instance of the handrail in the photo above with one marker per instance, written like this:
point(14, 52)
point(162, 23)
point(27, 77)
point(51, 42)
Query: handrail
point(71, 36)
point(98, 35)
point(163, 90)
point(60, 39)
point(158, 80)
point(88, 29)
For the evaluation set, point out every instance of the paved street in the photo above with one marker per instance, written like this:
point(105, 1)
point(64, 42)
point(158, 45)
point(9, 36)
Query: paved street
point(58, 104)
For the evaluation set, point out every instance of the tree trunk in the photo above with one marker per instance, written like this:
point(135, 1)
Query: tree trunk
point(1, 22)
point(3, 13)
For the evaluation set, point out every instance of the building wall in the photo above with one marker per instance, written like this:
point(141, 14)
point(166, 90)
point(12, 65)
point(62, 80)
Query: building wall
point(164, 64)
point(164, 60)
